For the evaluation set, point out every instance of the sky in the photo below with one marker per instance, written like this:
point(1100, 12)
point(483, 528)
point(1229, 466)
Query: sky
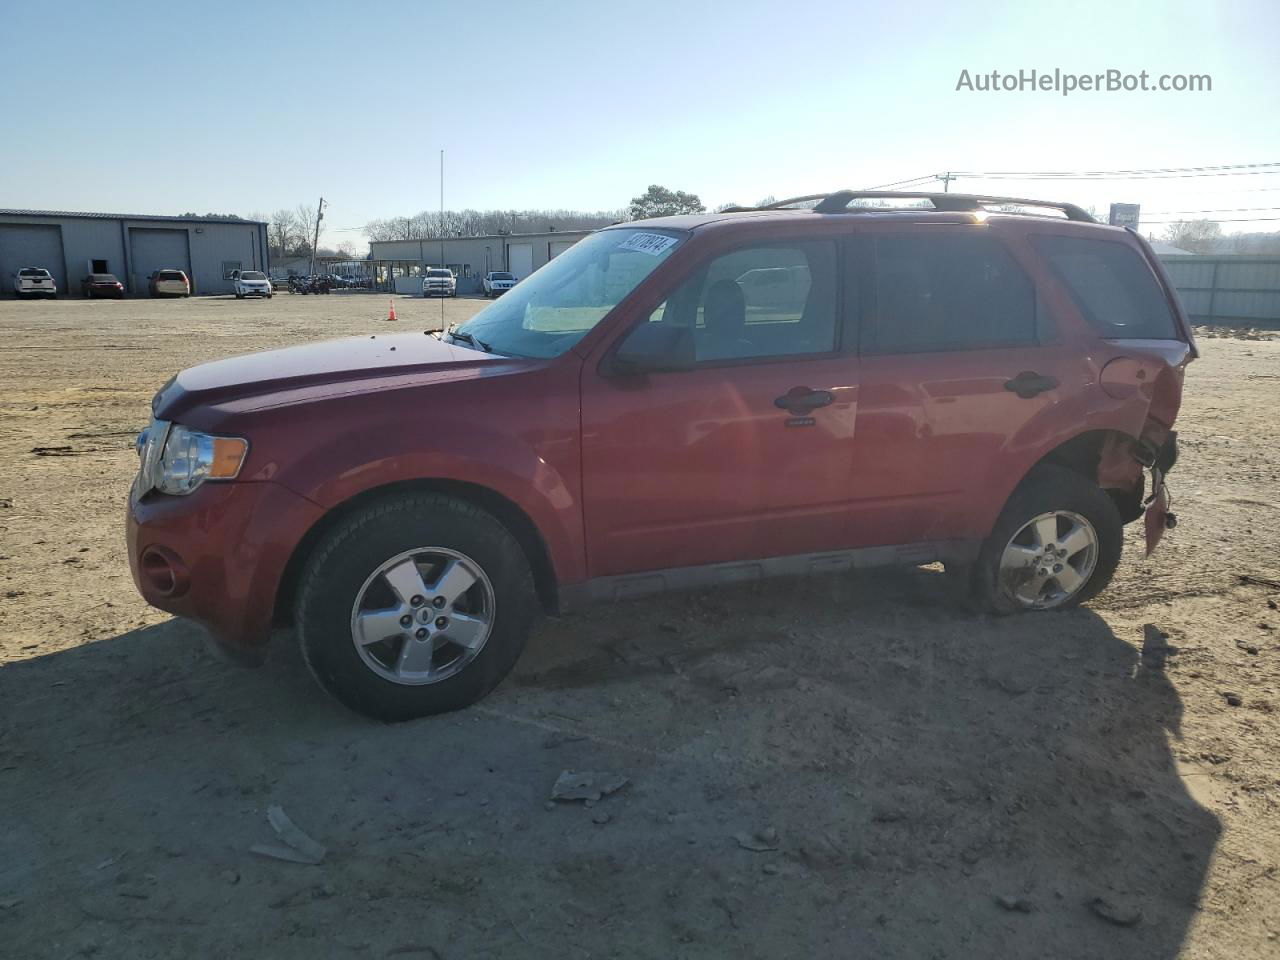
point(249, 107)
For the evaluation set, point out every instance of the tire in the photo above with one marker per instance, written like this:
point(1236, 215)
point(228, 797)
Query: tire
point(340, 577)
point(1079, 503)
point(239, 296)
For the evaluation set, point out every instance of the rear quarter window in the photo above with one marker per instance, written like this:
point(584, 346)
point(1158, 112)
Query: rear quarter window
point(1113, 287)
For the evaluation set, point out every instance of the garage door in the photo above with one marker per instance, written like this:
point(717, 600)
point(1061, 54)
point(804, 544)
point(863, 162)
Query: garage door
point(557, 247)
point(151, 250)
point(31, 245)
point(520, 259)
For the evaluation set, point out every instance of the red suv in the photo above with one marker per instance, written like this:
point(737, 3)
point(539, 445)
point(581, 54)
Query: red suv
point(825, 384)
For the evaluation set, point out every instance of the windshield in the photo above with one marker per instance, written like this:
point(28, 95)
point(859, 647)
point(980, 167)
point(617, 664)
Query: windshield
point(501, 276)
point(556, 307)
point(439, 273)
point(253, 275)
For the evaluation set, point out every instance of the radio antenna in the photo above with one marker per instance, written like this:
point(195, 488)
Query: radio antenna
point(442, 264)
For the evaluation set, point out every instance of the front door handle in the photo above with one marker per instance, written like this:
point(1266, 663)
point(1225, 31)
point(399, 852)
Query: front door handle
point(1029, 383)
point(799, 401)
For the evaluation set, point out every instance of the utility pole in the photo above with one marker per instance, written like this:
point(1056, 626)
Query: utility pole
point(315, 241)
point(946, 179)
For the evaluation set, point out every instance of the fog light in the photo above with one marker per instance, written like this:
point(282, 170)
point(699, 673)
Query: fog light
point(164, 572)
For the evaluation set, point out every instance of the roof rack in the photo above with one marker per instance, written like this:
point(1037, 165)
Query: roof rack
point(838, 202)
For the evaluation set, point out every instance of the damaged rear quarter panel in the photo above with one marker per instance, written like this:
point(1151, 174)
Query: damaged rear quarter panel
point(1139, 404)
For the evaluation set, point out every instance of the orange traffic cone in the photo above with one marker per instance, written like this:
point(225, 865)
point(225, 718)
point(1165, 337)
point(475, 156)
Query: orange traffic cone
point(391, 310)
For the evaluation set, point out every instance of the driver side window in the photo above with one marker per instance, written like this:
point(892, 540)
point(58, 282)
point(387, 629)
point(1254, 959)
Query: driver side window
point(764, 301)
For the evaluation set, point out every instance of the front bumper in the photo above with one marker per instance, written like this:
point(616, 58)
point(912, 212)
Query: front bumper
point(218, 556)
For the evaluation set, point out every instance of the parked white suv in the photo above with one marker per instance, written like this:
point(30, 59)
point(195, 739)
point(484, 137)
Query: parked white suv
point(439, 281)
point(252, 283)
point(498, 282)
point(34, 282)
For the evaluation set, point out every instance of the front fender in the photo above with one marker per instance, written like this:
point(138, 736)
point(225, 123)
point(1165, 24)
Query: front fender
point(349, 463)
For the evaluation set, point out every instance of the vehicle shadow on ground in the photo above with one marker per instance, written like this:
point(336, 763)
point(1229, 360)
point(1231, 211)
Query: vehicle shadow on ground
point(836, 767)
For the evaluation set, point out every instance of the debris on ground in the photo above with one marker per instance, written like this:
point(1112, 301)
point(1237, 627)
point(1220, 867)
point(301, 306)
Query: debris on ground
point(762, 841)
point(297, 846)
point(601, 818)
point(1233, 699)
point(1016, 904)
point(52, 451)
point(1114, 911)
point(1259, 581)
point(559, 739)
point(586, 786)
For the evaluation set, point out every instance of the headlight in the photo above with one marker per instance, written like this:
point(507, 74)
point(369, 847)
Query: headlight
point(187, 458)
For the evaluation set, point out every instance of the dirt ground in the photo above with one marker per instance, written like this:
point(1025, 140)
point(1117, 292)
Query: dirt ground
point(849, 767)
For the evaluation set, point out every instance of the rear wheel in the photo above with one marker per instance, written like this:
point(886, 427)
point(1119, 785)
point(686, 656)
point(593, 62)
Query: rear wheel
point(415, 605)
point(1056, 544)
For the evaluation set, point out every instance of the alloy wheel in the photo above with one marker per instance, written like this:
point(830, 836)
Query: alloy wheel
point(1049, 560)
point(422, 616)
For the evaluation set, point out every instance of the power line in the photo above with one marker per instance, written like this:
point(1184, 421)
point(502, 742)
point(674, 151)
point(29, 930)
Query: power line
point(1219, 170)
point(1163, 213)
point(1146, 222)
point(903, 183)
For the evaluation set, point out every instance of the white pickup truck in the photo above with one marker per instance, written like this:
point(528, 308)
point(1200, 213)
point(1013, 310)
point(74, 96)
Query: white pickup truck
point(439, 281)
point(34, 282)
point(498, 282)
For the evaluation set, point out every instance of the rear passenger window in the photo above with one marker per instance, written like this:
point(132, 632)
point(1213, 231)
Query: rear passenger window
point(1113, 287)
point(947, 292)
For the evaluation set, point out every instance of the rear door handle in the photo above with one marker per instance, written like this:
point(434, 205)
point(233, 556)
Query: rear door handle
point(799, 401)
point(1029, 383)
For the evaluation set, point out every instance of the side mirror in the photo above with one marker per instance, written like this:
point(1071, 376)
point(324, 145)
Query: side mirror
point(654, 348)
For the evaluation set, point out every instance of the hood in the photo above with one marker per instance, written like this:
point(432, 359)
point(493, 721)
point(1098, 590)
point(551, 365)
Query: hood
point(327, 368)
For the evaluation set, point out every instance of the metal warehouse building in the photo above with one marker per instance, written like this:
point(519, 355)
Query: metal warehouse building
point(470, 258)
point(73, 245)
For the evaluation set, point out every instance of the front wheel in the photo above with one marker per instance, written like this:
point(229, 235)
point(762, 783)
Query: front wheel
point(1056, 544)
point(417, 604)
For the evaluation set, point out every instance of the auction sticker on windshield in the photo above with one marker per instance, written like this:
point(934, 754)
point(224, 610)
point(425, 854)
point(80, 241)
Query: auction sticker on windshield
point(650, 243)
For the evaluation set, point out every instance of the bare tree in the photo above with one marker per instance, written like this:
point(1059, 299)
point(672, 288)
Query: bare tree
point(1198, 236)
point(430, 224)
point(283, 233)
point(305, 216)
